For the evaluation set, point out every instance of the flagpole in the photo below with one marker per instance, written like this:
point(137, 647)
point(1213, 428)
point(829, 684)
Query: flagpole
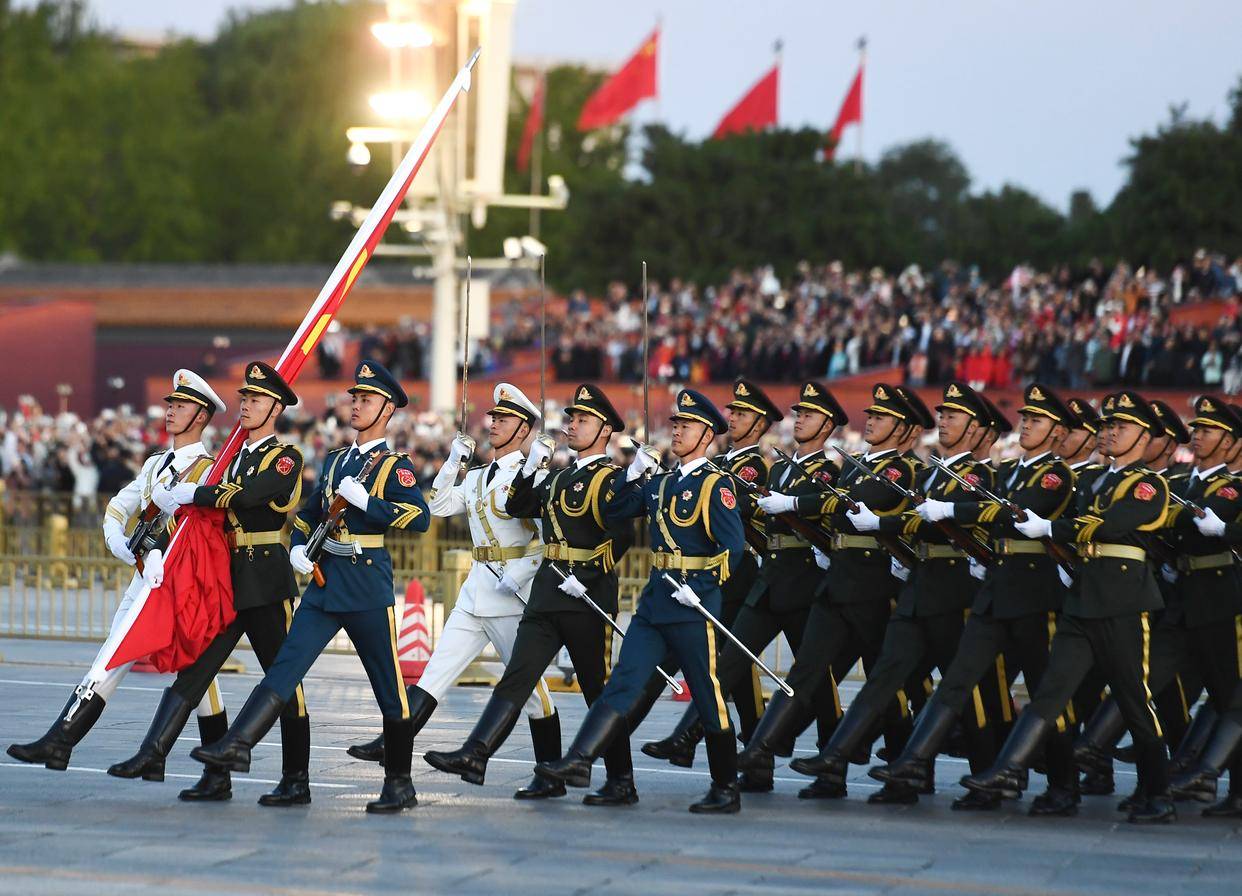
point(858, 137)
point(313, 325)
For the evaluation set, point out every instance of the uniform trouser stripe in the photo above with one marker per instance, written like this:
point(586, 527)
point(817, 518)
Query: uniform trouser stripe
point(1237, 628)
point(607, 652)
point(1147, 671)
point(396, 663)
point(723, 713)
point(1065, 719)
point(213, 696)
point(1002, 689)
point(756, 691)
point(981, 717)
point(299, 696)
point(545, 699)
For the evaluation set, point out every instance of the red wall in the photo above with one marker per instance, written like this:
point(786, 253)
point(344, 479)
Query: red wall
point(46, 344)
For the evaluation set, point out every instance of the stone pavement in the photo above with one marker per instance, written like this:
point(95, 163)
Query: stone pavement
point(82, 832)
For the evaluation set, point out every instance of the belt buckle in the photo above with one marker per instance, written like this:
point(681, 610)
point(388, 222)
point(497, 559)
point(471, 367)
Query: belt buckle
point(1090, 551)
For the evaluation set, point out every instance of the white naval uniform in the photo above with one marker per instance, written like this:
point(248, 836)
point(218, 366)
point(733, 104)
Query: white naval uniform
point(483, 612)
point(123, 507)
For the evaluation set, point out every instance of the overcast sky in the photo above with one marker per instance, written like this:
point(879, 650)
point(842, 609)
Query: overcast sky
point(1042, 93)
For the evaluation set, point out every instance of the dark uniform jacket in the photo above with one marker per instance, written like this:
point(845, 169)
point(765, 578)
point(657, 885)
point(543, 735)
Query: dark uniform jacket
point(694, 518)
point(1018, 584)
point(264, 485)
point(364, 581)
point(789, 577)
point(937, 585)
point(1206, 591)
point(570, 503)
point(860, 574)
point(1128, 504)
point(752, 468)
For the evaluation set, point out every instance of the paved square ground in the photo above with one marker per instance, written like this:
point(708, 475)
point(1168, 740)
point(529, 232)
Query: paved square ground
point(81, 831)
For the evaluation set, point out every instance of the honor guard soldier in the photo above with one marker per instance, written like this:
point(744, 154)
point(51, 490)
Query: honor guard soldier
point(1015, 610)
point(852, 605)
point(260, 487)
point(356, 593)
point(696, 539)
point(924, 422)
point(750, 415)
point(190, 406)
point(927, 621)
point(506, 553)
point(1106, 615)
point(1197, 634)
point(581, 550)
point(1077, 448)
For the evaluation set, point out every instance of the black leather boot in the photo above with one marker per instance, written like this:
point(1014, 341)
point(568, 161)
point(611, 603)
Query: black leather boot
point(545, 737)
point(398, 791)
point(1156, 810)
point(915, 764)
point(148, 763)
point(1197, 735)
point(294, 786)
point(1200, 782)
point(832, 763)
point(1094, 749)
point(215, 784)
point(1094, 784)
point(723, 797)
point(601, 725)
point(54, 747)
point(776, 725)
point(1135, 800)
point(263, 707)
point(422, 705)
point(1229, 807)
point(753, 780)
point(470, 761)
point(823, 789)
point(896, 793)
point(1062, 796)
point(976, 801)
point(1055, 801)
point(678, 748)
point(1004, 779)
point(617, 791)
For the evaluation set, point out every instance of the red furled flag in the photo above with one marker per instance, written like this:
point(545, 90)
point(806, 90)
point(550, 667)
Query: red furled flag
point(851, 113)
point(633, 82)
point(534, 124)
point(755, 111)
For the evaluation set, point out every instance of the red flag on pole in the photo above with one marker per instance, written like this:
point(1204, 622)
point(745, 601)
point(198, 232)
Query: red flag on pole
point(755, 111)
point(154, 622)
point(534, 124)
point(633, 82)
point(851, 113)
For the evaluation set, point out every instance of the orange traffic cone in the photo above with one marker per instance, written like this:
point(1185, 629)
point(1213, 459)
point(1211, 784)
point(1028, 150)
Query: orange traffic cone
point(414, 640)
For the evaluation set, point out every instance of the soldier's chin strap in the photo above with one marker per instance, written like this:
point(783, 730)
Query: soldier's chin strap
point(190, 425)
point(1141, 432)
point(707, 433)
point(375, 419)
point(268, 416)
point(759, 418)
point(514, 437)
point(966, 429)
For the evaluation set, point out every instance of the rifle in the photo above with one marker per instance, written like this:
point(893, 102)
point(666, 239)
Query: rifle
point(336, 512)
point(1194, 508)
point(891, 543)
point(151, 522)
point(754, 538)
point(1058, 552)
point(963, 540)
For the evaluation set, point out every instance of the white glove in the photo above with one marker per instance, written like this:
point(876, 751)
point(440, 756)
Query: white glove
point(540, 452)
point(935, 511)
point(775, 503)
point(898, 569)
point(645, 459)
point(1168, 573)
point(354, 492)
point(822, 560)
point(301, 564)
point(863, 519)
point(977, 569)
point(508, 584)
point(169, 499)
point(461, 450)
point(1211, 524)
point(115, 539)
point(573, 587)
point(685, 596)
point(1066, 579)
point(1034, 526)
point(153, 568)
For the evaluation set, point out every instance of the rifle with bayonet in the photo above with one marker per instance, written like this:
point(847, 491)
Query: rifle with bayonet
point(332, 519)
point(959, 537)
point(152, 522)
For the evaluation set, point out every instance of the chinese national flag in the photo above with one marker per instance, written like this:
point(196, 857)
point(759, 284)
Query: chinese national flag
point(755, 111)
point(534, 123)
point(633, 82)
point(851, 113)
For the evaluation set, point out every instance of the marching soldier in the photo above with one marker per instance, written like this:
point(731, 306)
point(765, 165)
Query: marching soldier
point(750, 415)
point(929, 616)
point(506, 554)
point(1078, 447)
point(1015, 610)
point(853, 603)
point(923, 422)
point(190, 406)
point(261, 486)
point(1106, 614)
point(356, 593)
point(581, 550)
point(697, 538)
